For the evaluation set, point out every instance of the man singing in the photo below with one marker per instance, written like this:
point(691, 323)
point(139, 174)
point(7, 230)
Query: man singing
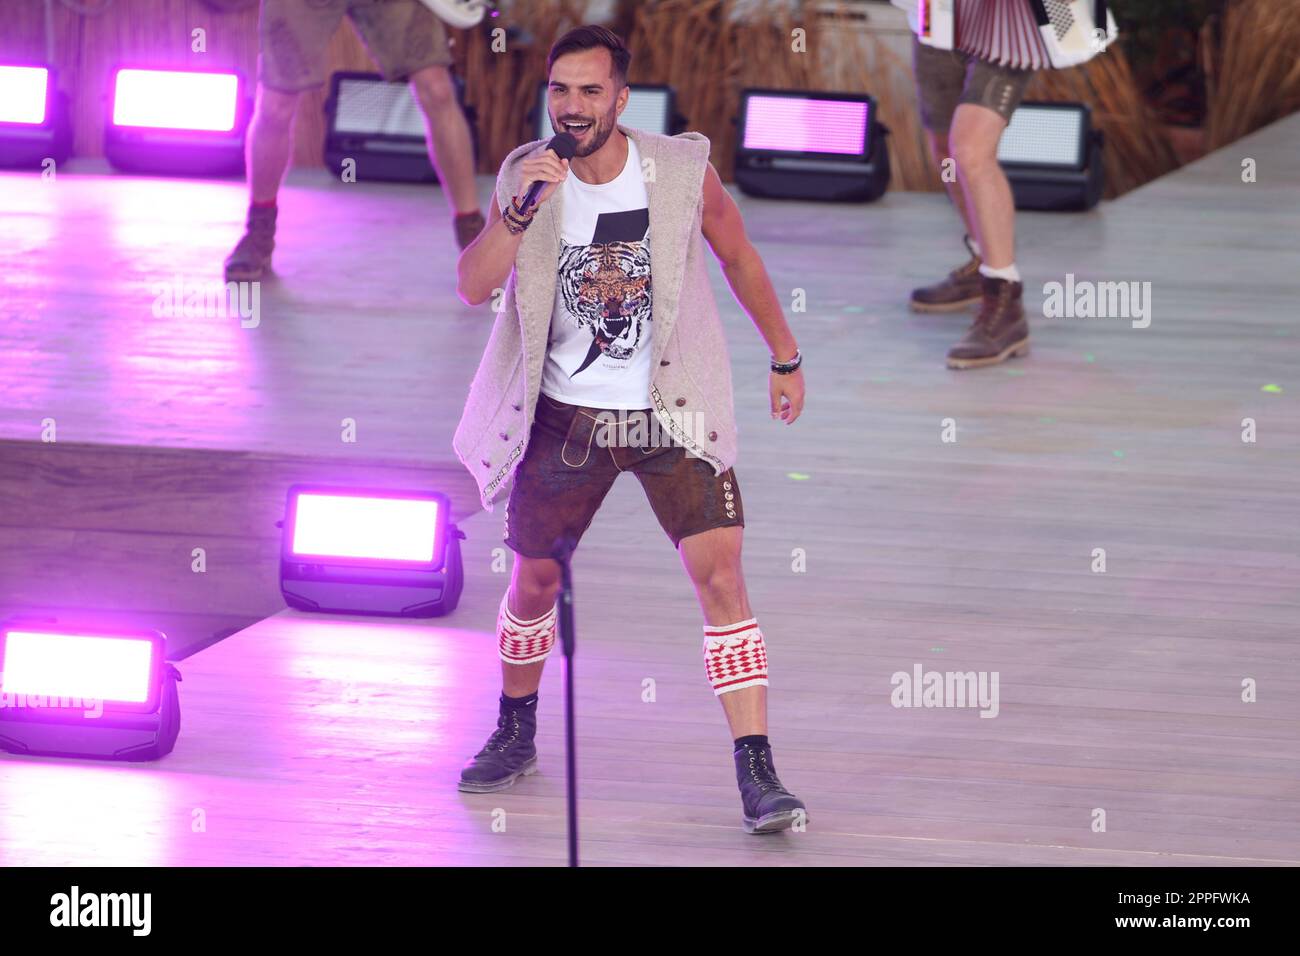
point(608, 324)
point(408, 43)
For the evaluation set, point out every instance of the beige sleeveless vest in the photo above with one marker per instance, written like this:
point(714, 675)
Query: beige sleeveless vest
point(690, 387)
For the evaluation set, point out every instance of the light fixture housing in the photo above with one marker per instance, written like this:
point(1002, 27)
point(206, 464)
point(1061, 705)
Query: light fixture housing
point(34, 121)
point(379, 126)
point(185, 122)
point(73, 691)
point(799, 144)
point(1052, 157)
point(370, 551)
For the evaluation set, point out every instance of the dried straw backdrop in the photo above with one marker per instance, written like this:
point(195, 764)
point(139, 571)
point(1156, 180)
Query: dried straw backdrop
point(703, 48)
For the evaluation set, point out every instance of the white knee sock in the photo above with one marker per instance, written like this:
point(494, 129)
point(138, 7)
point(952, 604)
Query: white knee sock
point(735, 656)
point(524, 642)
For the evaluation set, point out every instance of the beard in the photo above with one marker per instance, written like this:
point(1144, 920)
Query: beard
point(602, 127)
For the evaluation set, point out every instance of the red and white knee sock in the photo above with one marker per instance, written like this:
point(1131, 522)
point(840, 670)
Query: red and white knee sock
point(735, 656)
point(524, 642)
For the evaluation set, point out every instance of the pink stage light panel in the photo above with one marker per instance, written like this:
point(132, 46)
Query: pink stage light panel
point(805, 125)
point(392, 529)
point(165, 99)
point(23, 94)
point(88, 667)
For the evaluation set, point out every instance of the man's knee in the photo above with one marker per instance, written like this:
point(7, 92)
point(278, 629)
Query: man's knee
point(973, 152)
point(974, 136)
point(720, 579)
point(433, 88)
point(276, 108)
point(536, 580)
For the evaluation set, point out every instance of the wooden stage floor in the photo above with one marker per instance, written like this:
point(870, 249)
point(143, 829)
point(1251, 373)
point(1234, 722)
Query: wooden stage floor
point(309, 740)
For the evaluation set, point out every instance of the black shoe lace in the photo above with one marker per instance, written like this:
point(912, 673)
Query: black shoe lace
point(762, 774)
point(507, 733)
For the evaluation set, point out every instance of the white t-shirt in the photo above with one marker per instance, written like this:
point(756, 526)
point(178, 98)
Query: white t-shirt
point(600, 340)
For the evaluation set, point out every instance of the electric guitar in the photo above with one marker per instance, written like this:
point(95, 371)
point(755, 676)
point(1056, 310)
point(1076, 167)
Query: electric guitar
point(462, 14)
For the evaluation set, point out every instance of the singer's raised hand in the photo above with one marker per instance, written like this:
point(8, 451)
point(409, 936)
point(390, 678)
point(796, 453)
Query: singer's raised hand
point(547, 168)
point(486, 262)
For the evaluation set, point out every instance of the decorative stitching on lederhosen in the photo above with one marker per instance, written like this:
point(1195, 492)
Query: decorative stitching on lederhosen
point(581, 431)
point(676, 431)
point(489, 490)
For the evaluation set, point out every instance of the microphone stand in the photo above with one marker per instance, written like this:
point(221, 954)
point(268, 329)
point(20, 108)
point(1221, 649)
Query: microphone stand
point(562, 552)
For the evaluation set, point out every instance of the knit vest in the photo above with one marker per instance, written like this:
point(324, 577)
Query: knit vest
point(690, 384)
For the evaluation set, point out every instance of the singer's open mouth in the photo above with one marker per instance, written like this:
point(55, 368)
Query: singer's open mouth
point(577, 129)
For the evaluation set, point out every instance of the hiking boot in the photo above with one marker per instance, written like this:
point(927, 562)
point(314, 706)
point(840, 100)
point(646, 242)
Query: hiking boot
point(468, 226)
point(959, 291)
point(768, 806)
point(999, 332)
point(509, 752)
point(252, 254)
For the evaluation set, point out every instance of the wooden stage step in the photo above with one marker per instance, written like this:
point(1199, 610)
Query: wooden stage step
point(109, 532)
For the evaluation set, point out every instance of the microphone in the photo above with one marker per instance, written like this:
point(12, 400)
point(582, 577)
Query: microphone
point(562, 145)
point(563, 548)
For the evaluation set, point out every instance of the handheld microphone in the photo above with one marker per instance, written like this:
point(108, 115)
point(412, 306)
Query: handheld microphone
point(562, 145)
point(563, 547)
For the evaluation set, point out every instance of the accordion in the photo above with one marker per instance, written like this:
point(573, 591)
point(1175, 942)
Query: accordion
point(1022, 34)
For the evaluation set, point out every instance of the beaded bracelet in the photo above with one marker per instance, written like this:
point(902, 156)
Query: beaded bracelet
point(785, 368)
point(515, 218)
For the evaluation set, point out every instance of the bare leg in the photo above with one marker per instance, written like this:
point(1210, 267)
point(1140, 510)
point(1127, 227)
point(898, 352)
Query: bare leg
point(939, 150)
point(450, 149)
point(534, 584)
point(712, 559)
point(989, 205)
point(270, 140)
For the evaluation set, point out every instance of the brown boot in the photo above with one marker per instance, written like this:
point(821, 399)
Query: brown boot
point(252, 255)
point(468, 225)
point(999, 331)
point(960, 290)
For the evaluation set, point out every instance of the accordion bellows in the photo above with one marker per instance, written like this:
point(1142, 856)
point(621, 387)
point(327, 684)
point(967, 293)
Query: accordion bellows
point(1001, 31)
point(1021, 34)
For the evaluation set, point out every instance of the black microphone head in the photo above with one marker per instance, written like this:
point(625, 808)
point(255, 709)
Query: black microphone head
point(564, 145)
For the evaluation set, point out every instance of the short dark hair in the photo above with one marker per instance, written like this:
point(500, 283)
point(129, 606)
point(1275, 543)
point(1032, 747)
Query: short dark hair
point(588, 38)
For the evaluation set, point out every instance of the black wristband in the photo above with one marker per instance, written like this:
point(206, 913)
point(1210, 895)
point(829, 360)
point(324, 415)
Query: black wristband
point(786, 368)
